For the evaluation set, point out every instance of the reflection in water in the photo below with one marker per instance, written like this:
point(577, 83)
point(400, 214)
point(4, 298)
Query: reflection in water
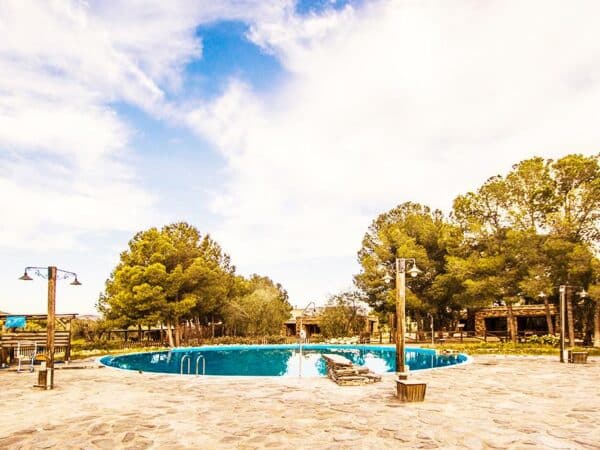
point(312, 364)
point(278, 361)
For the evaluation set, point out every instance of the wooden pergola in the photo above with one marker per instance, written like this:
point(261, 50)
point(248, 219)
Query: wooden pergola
point(9, 338)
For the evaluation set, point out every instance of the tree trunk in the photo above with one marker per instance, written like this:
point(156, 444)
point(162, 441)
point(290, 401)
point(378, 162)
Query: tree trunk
point(139, 333)
point(170, 334)
point(177, 333)
point(570, 322)
point(597, 324)
point(548, 316)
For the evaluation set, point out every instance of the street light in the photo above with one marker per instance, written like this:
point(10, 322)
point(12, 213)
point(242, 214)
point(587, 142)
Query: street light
point(401, 309)
point(52, 274)
point(562, 289)
point(432, 332)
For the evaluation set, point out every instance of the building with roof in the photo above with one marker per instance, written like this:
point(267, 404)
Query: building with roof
point(310, 321)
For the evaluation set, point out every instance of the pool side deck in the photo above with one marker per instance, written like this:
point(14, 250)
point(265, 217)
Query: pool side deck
point(495, 402)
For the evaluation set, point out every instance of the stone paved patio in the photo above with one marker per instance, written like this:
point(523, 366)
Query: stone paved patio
point(496, 402)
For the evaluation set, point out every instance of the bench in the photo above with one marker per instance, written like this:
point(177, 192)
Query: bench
point(11, 342)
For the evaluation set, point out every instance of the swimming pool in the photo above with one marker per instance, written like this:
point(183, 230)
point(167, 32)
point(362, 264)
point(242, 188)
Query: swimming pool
point(274, 360)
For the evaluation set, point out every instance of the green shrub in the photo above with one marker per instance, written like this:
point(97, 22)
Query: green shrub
point(547, 339)
point(77, 345)
point(244, 340)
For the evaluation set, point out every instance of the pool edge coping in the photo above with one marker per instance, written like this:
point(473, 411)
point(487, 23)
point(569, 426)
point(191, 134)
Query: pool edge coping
point(469, 360)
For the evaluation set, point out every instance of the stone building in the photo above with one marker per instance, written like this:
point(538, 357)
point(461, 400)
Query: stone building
point(309, 321)
point(526, 318)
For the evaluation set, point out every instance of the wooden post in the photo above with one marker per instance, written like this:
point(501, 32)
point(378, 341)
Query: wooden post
point(400, 309)
point(597, 323)
point(50, 326)
point(68, 350)
point(562, 290)
point(570, 322)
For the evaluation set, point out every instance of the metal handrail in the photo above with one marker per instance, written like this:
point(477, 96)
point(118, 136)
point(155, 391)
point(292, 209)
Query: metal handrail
point(203, 364)
point(181, 364)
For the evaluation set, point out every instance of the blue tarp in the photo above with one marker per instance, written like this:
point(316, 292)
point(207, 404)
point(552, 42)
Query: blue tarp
point(15, 322)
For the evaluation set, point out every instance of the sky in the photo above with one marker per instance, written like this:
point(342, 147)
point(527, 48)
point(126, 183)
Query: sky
point(280, 128)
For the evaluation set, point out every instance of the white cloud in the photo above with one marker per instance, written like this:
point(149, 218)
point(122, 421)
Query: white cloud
point(62, 146)
point(66, 176)
point(64, 151)
point(397, 101)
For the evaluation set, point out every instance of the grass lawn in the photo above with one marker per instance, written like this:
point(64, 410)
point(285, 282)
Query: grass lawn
point(508, 348)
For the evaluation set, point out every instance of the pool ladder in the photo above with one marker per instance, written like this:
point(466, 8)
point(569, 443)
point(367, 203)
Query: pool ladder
point(188, 358)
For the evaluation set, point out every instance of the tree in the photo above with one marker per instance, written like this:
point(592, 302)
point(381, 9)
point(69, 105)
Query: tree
point(527, 231)
point(576, 223)
point(409, 230)
point(260, 308)
point(577, 218)
point(344, 315)
point(530, 195)
point(482, 267)
point(166, 275)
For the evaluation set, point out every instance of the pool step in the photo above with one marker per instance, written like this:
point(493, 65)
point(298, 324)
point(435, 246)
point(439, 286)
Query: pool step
point(343, 372)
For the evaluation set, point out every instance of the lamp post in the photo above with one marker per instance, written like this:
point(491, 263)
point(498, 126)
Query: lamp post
point(401, 309)
point(562, 289)
point(432, 332)
point(302, 336)
point(51, 273)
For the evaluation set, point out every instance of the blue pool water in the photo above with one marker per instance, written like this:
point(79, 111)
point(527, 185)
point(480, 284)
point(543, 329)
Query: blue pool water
point(275, 360)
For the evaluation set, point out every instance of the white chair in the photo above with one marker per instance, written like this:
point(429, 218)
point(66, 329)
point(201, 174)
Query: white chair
point(26, 351)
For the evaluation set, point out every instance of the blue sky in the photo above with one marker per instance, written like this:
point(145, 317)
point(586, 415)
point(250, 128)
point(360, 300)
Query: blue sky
point(280, 128)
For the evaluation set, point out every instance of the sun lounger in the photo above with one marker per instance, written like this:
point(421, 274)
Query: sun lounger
point(343, 372)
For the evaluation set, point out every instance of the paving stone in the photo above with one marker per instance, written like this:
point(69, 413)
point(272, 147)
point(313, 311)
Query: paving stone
point(513, 403)
point(550, 442)
point(342, 437)
point(129, 436)
point(473, 443)
point(104, 444)
point(425, 433)
point(141, 444)
point(586, 442)
point(10, 441)
point(99, 430)
point(403, 436)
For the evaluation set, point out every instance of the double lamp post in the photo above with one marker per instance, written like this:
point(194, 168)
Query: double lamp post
point(52, 274)
point(400, 264)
